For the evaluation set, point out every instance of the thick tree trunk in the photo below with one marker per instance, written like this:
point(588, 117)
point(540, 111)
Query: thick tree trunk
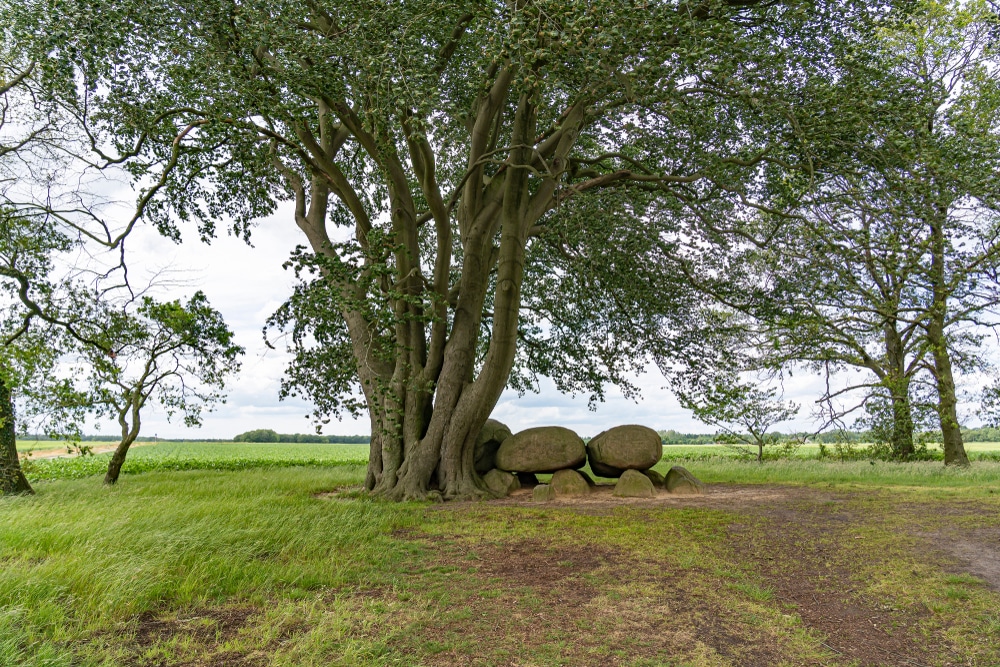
point(12, 479)
point(951, 433)
point(901, 434)
point(898, 384)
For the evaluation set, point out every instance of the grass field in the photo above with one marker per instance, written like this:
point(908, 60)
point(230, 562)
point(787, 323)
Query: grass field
point(792, 562)
point(718, 462)
point(199, 456)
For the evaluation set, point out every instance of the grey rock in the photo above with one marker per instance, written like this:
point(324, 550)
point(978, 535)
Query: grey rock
point(569, 483)
point(500, 482)
point(622, 448)
point(490, 438)
point(634, 484)
point(680, 481)
point(543, 493)
point(656, 478)
point(543, 449)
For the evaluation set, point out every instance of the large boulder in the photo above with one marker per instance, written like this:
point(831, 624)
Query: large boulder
point(634, 484)
point(680, 481)
point(501, 483)
point(569, 483)
point(491, 436)
point(624, 448)
point(543, 493)
point(542, 449)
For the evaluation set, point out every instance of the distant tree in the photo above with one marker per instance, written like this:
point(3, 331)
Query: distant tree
point(178, 355)
point(258, 435)
point(885, 256)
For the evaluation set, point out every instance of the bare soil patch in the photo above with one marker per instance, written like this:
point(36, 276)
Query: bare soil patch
point(727, 497)
point(976, 552)
point(539, 603)
point(979, 552)
point(61, 453)
point(791, 536)
point(208, 629)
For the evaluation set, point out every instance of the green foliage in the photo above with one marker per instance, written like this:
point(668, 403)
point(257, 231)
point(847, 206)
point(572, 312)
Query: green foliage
point(179, 355)
point(259, 435)
point(504, 181)
point(269, 435)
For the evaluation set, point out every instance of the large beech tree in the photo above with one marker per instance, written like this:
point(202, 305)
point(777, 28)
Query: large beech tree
point(482, 185)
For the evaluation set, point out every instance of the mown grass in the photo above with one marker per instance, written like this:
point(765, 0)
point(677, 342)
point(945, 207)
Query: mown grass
point(146, 573)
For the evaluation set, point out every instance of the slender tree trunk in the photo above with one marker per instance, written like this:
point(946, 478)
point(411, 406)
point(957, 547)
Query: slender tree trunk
point(951, 433)
point(129, 433)
point(12, 479)
point(117, 461)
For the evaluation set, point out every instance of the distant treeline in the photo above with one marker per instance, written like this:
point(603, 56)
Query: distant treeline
point(671, 437)
point(112, 438)
point(268, 435)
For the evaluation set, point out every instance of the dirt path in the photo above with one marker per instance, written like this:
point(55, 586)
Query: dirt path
point(61, 453)
point(808, 547)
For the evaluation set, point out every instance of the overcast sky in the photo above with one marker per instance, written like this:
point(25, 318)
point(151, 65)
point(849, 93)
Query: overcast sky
point(246, 284)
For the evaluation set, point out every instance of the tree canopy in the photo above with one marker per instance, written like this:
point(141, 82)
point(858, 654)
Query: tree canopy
point(481, 185)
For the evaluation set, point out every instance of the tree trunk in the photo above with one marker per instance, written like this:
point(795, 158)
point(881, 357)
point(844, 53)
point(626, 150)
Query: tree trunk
point(898, 384)
point(130, 431)
point(12, 479)
point(951, 433)
point(117, 461)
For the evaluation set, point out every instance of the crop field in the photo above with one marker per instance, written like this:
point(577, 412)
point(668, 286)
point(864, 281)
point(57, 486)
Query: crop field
point(195, 456)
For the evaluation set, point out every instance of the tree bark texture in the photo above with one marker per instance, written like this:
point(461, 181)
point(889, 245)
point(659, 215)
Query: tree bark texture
point(951, 432)
point(12, 479)
point(130, 431)
point(897, 381)
point(429, 399)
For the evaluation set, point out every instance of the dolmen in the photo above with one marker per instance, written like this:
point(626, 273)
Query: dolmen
point(627, 453)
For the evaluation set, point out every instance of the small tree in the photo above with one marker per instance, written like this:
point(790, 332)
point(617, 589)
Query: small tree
point(51, 167)
point(744, 412)
point(178, 355)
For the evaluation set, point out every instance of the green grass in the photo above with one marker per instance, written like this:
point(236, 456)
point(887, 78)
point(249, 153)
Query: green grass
point(976, 450)
point(155, 570)
point(713, 462)
point(981, 478)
